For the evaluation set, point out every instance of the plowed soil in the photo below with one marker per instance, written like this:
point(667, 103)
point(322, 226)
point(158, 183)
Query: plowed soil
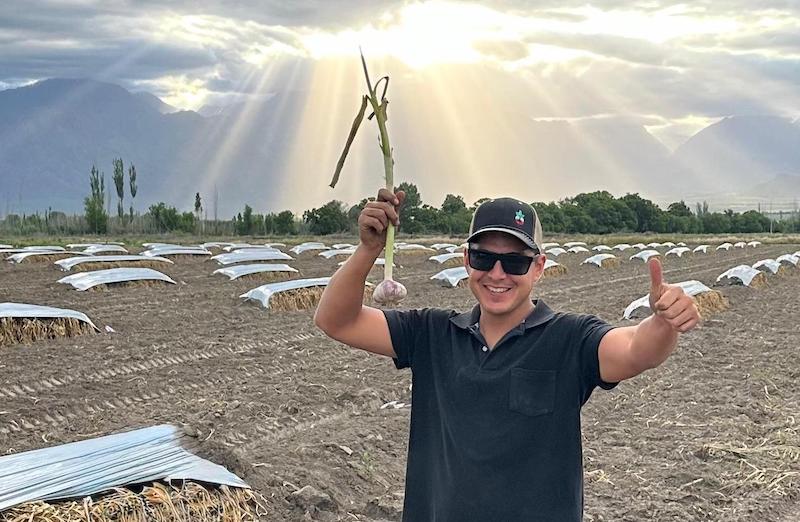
point(712, 434)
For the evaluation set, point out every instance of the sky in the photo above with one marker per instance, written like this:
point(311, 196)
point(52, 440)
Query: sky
point(673, 66)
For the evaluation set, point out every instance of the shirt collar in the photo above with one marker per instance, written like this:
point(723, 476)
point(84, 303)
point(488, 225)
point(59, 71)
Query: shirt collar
point(541, 314)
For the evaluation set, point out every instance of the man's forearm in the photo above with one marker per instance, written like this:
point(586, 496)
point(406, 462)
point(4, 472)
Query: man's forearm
point(343, 297)
point(652, 342)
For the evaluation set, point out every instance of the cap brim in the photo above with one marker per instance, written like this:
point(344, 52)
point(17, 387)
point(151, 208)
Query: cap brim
point(525, 238)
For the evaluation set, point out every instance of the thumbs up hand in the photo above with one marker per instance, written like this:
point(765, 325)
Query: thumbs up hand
point(670, 303)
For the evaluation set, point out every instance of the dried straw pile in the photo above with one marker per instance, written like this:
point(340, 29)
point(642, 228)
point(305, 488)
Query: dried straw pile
point(454, 263)
point(141, 283)
point(304, 299)
point(611, 262)
point(709, 303)
point(269, 277)
point(15, 330)
point(414, 252)
point(159, 503)
point(47, 258)
point(554, 271)
point(759, 281)
point(104, 265)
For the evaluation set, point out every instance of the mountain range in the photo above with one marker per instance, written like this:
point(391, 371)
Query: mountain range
point(279, 152)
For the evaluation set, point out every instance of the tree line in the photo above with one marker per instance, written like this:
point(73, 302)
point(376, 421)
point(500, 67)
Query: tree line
point(587, 213)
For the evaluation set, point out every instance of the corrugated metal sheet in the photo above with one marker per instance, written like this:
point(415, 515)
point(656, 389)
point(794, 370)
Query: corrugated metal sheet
point(91, 466)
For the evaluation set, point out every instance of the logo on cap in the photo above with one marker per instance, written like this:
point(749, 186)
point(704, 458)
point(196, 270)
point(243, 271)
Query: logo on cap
point(519, 218)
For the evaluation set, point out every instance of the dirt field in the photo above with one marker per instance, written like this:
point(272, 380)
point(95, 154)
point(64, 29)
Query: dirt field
point(713, 434)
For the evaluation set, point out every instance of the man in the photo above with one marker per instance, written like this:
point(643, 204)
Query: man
point(497, 391)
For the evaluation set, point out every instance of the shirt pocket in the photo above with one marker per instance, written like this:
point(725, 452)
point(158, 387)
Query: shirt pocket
point(532, 392)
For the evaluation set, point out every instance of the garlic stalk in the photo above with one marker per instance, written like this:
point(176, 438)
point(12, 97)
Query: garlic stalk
point(388, 291)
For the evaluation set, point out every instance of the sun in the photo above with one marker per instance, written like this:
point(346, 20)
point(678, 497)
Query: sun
point(420, 35)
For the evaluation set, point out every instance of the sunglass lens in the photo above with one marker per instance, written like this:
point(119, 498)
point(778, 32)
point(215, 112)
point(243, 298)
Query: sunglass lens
point(483, 261)
point(516, 265)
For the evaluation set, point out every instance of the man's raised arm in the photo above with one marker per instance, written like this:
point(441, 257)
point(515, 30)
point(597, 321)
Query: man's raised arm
point(341, 313)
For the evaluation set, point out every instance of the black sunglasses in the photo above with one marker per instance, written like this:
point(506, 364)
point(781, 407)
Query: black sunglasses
point(513, 264)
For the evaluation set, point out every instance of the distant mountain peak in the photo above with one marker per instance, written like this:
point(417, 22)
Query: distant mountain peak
point(156, 102)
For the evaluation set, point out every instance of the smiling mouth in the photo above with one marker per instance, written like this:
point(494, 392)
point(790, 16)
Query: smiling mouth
point(497, 290)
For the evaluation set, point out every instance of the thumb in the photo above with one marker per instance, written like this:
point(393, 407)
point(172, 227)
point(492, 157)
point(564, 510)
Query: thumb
point(656, 278)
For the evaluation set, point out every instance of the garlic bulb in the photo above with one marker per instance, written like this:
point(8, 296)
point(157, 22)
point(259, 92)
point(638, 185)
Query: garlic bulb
point(389, 292)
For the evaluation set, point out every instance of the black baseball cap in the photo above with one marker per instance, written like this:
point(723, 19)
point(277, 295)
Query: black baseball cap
point(507, 215)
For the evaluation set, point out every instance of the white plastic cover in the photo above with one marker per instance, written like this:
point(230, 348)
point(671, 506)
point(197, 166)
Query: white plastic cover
point(18, 258)
point(571, 244)
point(71, 262)
point(250, 255)
point(644, 255)
point(235, 272)
point(234, 246)
point(669, 244)
point(640, 246)
point(380, 261)
point(770, 264)
point(39, 247)
point(724, 246)
point(86, 280)
point(555, 252)
point(739, 244)
point(597, 259)
point(643, 303)
point(452, 249)
point(601, 248)
point(441, 258)
point(700, 248)
point(339, 246)
point(411, 246)
point(577, 249)
point(6, 246)
point(753, 243)
point(654, 244)
point(275, 245)
point(164, 245)
point(305, 247)
point(100, 249)
point(789, 258)
point(545, 246)
point(73, 246)
point(87, 467)
point(264, 292)
point(681, 243)
point(450, 276)
point(170, 251)
point(41, 312)
point(215, 244)
point(550, 263)
point(442, 246)
point(742, 273)
point(677, 251)
point(327, 254)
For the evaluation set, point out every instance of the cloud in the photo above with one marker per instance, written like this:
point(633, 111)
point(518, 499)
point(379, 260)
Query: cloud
point(668, 63)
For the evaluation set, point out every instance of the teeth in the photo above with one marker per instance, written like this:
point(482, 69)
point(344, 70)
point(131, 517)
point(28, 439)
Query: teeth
point(497, 290)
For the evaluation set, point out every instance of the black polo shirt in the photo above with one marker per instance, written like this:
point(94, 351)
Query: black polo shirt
point(496, 434)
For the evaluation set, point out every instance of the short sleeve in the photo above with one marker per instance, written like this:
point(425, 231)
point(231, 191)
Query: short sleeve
point(405, 328)
point(591, 330)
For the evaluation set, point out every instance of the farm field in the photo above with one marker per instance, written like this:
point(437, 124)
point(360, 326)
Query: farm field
point(712, 434)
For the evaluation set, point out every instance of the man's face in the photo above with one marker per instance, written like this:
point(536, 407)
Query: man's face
point(498, 292)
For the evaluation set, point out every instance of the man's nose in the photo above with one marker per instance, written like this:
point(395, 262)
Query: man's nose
point(497, 270)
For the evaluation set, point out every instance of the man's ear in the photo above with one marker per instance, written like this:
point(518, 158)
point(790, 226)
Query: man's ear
point(538, 267)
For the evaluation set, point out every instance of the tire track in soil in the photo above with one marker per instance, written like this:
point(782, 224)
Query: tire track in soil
point(91, 375)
